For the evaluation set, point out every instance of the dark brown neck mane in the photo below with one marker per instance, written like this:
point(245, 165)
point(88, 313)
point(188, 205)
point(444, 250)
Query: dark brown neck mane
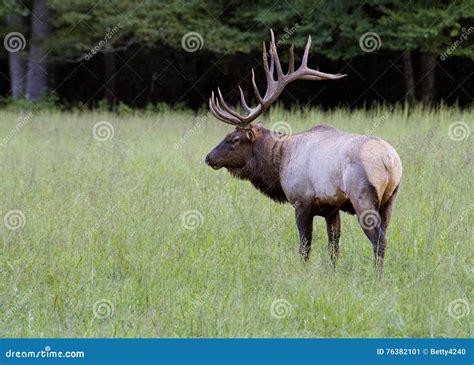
point(263, 167)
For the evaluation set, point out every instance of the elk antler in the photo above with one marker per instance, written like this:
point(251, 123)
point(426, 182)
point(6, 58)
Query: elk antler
point(223, 112)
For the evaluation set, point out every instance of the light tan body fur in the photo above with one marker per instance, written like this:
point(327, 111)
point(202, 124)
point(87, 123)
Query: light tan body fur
point(318, 166)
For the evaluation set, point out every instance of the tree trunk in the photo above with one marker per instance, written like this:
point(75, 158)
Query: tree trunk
point(428, 73)
point(409, 78)
point(37, 80)
point(109, 83)
point(15, 60)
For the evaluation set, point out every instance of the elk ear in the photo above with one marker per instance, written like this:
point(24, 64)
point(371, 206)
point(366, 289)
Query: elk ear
point(250, 133)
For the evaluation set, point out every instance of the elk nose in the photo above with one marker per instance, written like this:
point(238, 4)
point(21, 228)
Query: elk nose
point(207, 160)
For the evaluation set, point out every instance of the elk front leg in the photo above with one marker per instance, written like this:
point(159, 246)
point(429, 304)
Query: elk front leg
point(304, 221)
point(333, 226)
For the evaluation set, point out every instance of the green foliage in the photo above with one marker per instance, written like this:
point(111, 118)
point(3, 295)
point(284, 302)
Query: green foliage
point(13, 7)
point(50, 102)
point(142, 23)
point(427, 26)
point(336, 26)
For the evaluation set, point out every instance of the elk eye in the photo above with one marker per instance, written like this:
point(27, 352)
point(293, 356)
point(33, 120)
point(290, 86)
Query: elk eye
point(235, 140)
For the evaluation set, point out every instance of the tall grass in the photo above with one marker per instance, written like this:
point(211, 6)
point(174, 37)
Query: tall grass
point(135, 237)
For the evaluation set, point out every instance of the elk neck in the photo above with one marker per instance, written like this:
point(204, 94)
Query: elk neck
point(263, 168)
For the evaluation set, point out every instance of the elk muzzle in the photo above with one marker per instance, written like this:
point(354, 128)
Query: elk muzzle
point(213, 161)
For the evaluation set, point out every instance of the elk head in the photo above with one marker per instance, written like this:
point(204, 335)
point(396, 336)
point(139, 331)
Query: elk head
point(236, 148)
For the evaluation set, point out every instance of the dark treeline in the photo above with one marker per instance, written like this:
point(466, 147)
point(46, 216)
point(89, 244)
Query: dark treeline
point(145, 53)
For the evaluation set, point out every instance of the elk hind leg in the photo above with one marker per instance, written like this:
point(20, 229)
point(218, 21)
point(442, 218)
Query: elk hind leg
point(333, 226)
point(365, 201)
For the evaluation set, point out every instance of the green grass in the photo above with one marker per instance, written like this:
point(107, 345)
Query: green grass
point(103, 222)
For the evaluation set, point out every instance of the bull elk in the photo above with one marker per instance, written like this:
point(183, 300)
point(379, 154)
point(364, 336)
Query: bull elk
point(320, 171)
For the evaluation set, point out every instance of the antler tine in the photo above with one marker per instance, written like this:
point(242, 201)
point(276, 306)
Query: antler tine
point(275, 56)
point(244, 102)
point(219, 113)
point(255, 88)
point(311, 74)
point(225, 114)
point(272, 63)
point(268, 73)
point(304, 62)
point(227, 108)
point(318, 76)
point(291, 66)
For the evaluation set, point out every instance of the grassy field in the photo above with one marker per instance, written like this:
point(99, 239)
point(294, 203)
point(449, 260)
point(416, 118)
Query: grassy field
point(129, 234)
